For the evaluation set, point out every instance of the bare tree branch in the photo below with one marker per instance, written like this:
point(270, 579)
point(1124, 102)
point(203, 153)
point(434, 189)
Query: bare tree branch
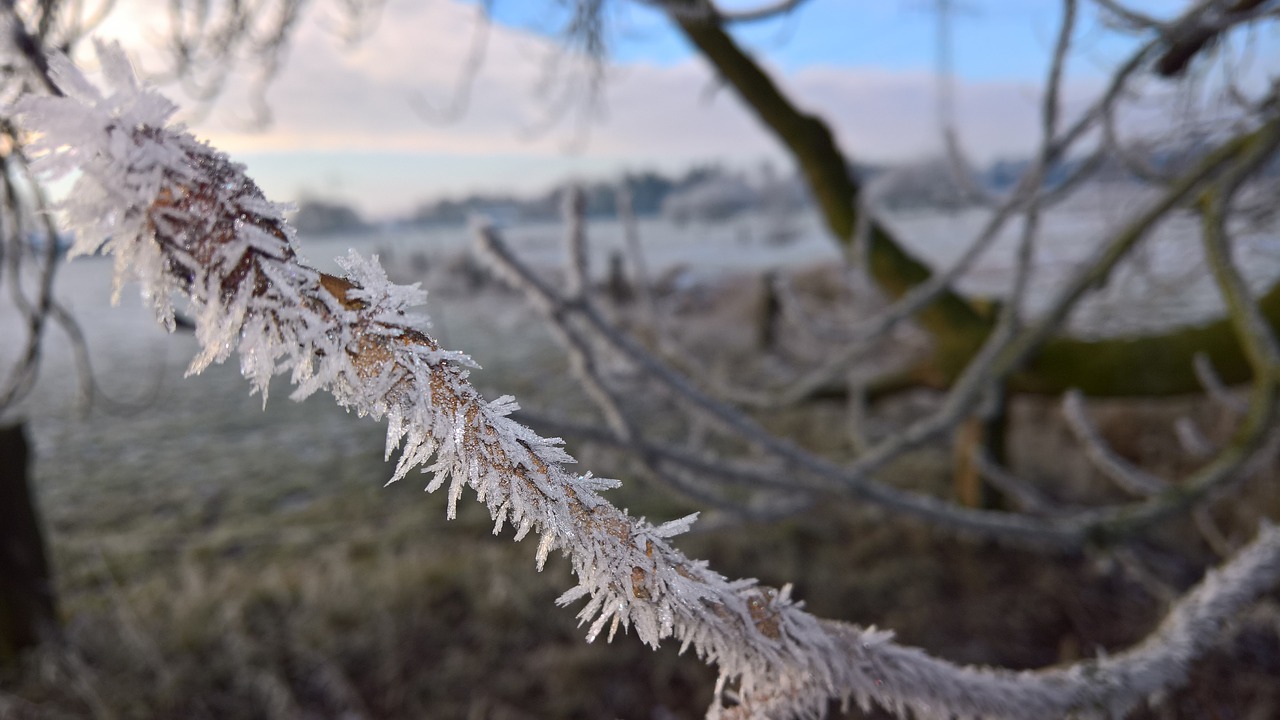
point(707, 10)
point(1193, 35)
point(1123, 473)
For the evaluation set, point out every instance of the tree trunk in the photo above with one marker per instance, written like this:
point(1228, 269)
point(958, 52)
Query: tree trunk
point(28, 609)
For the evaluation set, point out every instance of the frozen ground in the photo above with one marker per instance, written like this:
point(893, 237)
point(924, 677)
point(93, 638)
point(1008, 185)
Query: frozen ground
point(216, 559)
point(208, 419)
point(1164, 285)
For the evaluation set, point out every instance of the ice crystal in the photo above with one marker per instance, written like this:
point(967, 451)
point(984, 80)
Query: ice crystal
point(181, 219)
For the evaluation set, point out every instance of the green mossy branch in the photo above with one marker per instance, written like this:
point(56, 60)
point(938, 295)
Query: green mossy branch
point(1152, 365)
point(826, 169)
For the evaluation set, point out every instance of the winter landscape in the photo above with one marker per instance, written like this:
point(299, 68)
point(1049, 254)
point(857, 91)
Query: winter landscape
point(968, 440)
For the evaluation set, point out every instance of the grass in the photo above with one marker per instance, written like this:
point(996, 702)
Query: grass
point(288, 584)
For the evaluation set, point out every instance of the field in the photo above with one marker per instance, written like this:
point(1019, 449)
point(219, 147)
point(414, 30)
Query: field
point(218, 560)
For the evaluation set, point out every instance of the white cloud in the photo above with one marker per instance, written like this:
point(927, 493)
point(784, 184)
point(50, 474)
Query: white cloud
point(330, 98)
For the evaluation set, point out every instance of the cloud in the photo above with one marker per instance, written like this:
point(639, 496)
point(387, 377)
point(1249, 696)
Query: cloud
point(370, 97)
point(891, 116)
point(334, 99)
point(363, 98)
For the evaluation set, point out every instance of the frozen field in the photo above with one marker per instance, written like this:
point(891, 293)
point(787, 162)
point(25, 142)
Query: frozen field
point(204, 421)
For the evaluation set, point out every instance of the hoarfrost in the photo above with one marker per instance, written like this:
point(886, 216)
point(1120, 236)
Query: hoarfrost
point(179, 217)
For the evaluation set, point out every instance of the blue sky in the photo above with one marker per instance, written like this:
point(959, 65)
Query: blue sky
point(993, 39)
point(348, 122)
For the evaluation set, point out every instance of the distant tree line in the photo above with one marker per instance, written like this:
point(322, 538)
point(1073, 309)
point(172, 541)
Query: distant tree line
point(648, 189)
point(712, 191)
point(320, 217)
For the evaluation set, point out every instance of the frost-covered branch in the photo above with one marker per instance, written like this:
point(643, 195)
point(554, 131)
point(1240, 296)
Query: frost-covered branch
point(1132, 479)
point(907, 680)
point(183, 221)
point(1215, 388)
point(1025, 495)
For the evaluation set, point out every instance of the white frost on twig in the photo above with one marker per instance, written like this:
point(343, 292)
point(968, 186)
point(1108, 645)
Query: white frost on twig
point(1123, 473)
point(183, 220)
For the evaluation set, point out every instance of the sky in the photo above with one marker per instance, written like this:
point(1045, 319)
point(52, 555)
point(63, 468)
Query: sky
point(368, 124)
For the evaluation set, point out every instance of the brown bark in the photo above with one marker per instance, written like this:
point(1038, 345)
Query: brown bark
point(1187, 42)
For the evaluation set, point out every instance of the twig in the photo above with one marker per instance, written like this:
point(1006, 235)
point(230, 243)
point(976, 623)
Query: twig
point(706, 10)
point(1049, 119)
point(1133, 18)
point(578, 282)
point(1215, 388)
point(1029, 499)
point(22, 376)
point(749, 475)
point(639, 267)
point(1192, 35)
point(856, 415)
point(1208, 530)
point(460, 97)
point(1111, 685)
point(1126, 475)
point(1191, 439)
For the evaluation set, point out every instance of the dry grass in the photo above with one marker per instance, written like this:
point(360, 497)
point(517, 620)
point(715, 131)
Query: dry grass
point(310, 592)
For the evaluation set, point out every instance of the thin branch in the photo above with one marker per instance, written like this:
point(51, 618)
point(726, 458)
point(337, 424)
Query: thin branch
point(1215, 388)
point(22, 376)
point(1192, 36)
point(1049, 119)
point(908, 680)
point(688, 472)
point(640, 276)
point(956, 158)
point(1208, 530)
point(857, 415)
point(1191, 439)
point(30, 47)
point(1134, 19)
point(577, 261)
point(707, 10)
point(1126, 475)
point(1029, 499)
point(1252, 328)
point(460, 97)
point(744, 474)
